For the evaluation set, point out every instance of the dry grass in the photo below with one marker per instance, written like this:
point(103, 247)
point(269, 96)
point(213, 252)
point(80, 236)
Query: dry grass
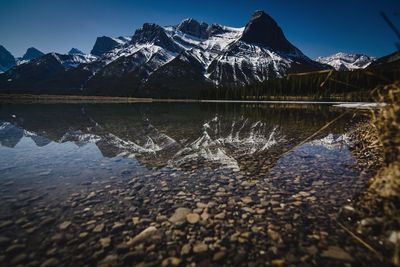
point(387, 123)
point(378, 145)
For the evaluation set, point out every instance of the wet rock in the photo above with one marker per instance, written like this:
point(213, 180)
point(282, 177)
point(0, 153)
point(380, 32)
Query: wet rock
point(99, 228)
point(336, 253)
point(204, 216)
point(118, 226)
point(179, 216)
point(64, 225)
point(110, 260)
point(15, 248)
point(143, 236)
point(83, 234)
point(52, 262)
point(200, 248)
point(47, 222)
point(218, 256)
point(186, 249)
point(105, 242)
point(135, 220)
point(4, 241)
point(20, 258)
point(278, 262)
point(201, 205)
point(193, 218)
point(171, 261)
point(246, 200)
point(4, 224)
point(220, 216)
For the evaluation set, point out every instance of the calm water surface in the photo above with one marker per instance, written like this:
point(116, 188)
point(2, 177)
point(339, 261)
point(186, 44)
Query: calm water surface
point(58, 156)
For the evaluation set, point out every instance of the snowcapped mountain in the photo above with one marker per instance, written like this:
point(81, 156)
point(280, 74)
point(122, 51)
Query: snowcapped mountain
point(30, 54)
point(105, 44)
point(75, 51)
point(343, 61)
point(178, 60)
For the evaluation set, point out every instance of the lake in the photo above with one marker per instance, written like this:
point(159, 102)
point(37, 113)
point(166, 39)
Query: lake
point(213, 183)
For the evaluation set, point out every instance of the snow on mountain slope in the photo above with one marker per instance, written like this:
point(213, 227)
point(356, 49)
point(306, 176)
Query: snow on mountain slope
point(214, 54)
point(343, 61)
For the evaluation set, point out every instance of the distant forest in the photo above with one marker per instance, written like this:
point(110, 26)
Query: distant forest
point(353, 85)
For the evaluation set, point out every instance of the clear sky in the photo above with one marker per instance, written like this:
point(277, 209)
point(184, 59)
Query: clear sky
point(317, 27)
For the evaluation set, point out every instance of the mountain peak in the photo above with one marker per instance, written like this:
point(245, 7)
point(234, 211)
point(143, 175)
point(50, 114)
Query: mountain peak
point(194, 28)
point(263, 30)
point(347, 61)
point(7, 60)
point(32, 53)
point(75, 51)
point(151, 33)
point(103, 45)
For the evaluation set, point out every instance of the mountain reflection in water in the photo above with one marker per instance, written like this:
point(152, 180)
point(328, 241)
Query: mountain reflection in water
point(66, 139)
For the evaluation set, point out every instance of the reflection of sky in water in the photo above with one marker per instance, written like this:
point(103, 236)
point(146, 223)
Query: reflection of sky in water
point(57, 160)
point(43, 143)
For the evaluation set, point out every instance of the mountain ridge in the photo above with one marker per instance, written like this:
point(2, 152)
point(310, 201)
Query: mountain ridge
point(200, 54)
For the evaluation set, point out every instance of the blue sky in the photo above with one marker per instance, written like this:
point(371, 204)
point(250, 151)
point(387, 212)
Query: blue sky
point(316, 27)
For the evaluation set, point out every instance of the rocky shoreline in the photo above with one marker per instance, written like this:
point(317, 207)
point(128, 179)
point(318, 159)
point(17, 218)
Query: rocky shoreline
point(190, 216)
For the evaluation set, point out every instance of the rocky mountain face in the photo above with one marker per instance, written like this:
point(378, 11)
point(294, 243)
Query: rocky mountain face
point(105, 44)
point(343, 61)
point(32, 53)
point(175, 61)
point(7, 60)
point(75, 51)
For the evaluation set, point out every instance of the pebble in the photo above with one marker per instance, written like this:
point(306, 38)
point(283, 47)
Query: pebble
point(105, 242)
point(179, 216)
point(142, 236)
point(246, 200)
point(193, 218)
point(64, 225)
point(4, 240)
point(52, 262)
point(99, 228)
point(219, 255)
point(200, 248)
point(220, 216)
point(186, 249)
point(337, 253)
point(171, 261)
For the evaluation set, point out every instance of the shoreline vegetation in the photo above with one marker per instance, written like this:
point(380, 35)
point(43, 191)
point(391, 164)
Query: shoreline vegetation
point(373, 216)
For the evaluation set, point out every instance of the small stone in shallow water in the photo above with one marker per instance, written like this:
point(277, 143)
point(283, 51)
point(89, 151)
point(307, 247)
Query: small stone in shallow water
point(193, 218)
point(4, 240)
point(105, 242)
point(50, 263)
point(219, 255)
point(135, 220)
point(246, 200)
point(142, 236)
point(64, 225)
point(118, 225)
point(179, 216)
point(336, 253)
point(278, 262)
point(5, 224)
point(220, 216)
point(200, 248)
point(171, 261)
point(83, 234)
point(99, 228)
point(186, 249)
